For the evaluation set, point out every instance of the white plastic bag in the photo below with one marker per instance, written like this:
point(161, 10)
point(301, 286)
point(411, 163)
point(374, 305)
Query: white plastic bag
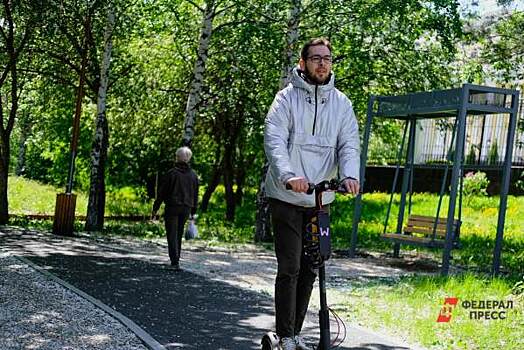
point(192, 230)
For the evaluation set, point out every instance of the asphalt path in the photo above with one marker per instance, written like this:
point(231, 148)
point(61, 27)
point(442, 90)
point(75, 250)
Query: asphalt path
point(180, 309)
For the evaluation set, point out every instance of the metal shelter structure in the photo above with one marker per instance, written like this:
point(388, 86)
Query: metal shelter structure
point(455, 103)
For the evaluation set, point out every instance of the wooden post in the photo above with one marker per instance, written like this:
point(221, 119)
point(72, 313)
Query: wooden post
point(66, 202)
point(64, 214)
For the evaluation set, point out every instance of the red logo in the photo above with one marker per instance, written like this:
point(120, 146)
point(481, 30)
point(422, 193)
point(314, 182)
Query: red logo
point(447, 309)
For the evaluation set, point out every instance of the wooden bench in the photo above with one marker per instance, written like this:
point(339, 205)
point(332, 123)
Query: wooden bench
point(419, 231)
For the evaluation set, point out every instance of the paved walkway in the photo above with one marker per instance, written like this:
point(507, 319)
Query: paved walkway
point(221, 300)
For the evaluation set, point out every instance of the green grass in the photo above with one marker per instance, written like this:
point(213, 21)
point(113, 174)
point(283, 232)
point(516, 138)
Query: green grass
point(31, 197)
point(477, 233)
point(410, 306)
point(214, 227)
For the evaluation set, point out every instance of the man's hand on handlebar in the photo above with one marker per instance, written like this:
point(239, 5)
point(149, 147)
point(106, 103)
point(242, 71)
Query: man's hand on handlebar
point(352, 186)
point(298, 184)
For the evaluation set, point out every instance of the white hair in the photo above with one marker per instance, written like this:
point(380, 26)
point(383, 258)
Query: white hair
point(183, 154)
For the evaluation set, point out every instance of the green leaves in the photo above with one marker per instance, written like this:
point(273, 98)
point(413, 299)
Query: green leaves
point(380, 47)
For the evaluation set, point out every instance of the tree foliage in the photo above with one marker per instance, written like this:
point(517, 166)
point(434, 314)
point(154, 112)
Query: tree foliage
point(504, 49)
point(380, 47)
point(20, 26)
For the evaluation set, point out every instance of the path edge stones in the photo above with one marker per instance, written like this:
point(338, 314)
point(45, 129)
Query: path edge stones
point(145, 337)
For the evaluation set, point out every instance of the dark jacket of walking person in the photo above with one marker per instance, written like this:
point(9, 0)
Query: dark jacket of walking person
point(311, 135)
point(179, 191)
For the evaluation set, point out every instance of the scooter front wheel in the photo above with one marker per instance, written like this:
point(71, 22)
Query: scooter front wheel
point(270, 341)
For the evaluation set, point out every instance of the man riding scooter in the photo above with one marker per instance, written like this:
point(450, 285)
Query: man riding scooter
point(310, 133)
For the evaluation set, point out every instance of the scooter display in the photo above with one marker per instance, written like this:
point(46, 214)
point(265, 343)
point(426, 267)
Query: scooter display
point(317, 248)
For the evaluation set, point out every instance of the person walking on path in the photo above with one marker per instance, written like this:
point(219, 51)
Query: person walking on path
point(310, 133)
point(179, 191)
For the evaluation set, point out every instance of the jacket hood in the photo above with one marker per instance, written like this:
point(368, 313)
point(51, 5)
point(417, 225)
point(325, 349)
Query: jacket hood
point(298, 81)
point(182, 167)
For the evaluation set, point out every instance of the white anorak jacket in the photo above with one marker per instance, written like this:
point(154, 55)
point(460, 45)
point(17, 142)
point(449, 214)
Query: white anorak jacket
point(310, 131)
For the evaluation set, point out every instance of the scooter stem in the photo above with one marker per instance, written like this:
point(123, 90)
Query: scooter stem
point(323, 314)
point(324, 311)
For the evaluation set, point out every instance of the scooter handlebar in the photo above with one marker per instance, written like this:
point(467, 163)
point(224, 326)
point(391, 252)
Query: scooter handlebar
point(332, 185)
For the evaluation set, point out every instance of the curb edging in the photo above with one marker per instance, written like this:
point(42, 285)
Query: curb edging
point(145, 337)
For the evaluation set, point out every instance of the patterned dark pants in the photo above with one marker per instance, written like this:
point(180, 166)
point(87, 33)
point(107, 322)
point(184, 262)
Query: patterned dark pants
point(295, 275)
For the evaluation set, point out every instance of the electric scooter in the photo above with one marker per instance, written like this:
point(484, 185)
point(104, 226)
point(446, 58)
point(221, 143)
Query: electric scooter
point(317, 248)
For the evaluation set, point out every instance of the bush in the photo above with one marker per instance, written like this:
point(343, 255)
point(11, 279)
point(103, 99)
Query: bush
point(493, 155)
point(128, 201)
point(475, 184)
point(471, 158)
point(519, 184)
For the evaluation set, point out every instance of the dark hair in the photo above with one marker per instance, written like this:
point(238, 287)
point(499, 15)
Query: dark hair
point(314, 42)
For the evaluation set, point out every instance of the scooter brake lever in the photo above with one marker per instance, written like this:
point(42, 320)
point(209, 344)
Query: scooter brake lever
point(342, 189)
point(311, 188)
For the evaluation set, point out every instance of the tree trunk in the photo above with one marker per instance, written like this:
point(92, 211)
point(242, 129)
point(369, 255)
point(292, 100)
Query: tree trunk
point(25, 130)
point(240, 179)
point(211, 187)
point(13, 54)
point(289, 53)
point(4, 170)
point(5, 132)
point(97, 192)
point(229, 179)
point(263, 219)
point(241, 171)
point(195, 91)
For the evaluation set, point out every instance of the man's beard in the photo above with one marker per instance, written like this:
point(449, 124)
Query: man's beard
point(313, 80)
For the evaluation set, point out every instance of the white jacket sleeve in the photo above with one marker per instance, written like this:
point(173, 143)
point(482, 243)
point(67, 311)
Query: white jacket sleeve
point(276, 137)
point(348, 146)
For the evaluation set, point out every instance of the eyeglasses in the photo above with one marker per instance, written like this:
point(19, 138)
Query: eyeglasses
point(317, 59)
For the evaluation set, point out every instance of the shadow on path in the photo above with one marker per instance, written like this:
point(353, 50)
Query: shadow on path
point(180, 309)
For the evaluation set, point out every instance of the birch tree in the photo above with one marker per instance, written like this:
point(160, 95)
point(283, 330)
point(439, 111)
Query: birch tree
point(233, 79)
point(292, 37)
point(208, 14)
point(64, 50)
point(263, 221)
point(97, 194)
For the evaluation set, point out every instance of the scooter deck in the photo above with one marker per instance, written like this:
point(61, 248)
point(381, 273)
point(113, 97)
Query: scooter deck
point(270, 341)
